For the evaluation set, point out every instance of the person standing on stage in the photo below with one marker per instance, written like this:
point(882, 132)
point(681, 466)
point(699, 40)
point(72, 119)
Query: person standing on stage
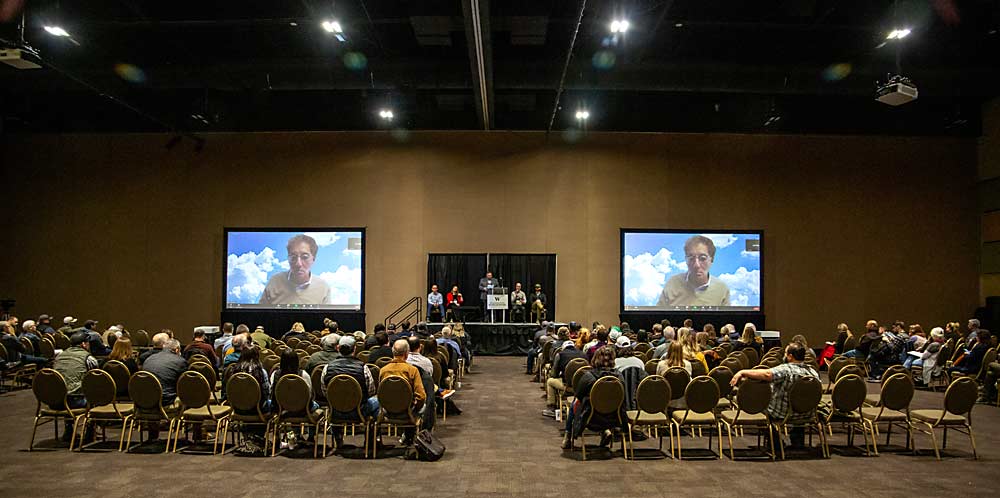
point(454, 302)
point(435, 301)
point(517, 302)
point(486, 285)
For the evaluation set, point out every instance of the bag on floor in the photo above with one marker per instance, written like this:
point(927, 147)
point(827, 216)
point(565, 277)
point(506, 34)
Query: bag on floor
point(429, 448)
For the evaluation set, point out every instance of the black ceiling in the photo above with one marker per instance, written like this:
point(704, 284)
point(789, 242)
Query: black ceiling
point(683, 66)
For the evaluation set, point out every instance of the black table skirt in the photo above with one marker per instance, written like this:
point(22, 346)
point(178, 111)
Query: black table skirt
point(501, 339)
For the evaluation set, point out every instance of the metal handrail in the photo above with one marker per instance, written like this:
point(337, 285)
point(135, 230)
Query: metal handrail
point(405, 305)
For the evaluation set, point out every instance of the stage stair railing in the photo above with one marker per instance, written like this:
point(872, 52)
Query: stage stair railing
point(411, 308)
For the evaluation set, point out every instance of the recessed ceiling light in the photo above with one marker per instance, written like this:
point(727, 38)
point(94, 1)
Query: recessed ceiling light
point(293, 23)
point(56, 31)
point(386, 114)
point(582, 115)
point(898, 34)
point(619, 26)
point(332, 27)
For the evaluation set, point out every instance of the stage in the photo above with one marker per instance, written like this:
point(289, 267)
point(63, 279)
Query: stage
point(500, 339)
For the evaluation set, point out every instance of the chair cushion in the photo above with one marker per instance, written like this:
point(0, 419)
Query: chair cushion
point(693, 418)
point(204, 414)
point(251, 418)
point(932, 416)
point(723, 404)
point(870, 412)
point(826, 399)
point(48, 412)
point(646, 417)
point(108, 411)
point(300, 418)
point(872, 400)
point(745, 418)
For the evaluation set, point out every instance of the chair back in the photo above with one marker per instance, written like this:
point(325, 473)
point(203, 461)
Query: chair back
point(269, 362)
point(193, 389)
point(318, 388)
point(733, 363)
point(752, 356)
point(206, 371)
point(395, 395)
point(849, 393)
point(642, 347)
point(653, 394)
point(805, 394)
point(61, 341)
point(722, 376)
point(771, 362)
point(292, 393)
point(701, 394)
point(607, 396)
point(383, 361)
point(243, 392)
point(727, 347)
point(571, 369)
point(48, 348)
point(651, 367)
point(753, 396)
point(28, 346)
point(49, 387)
point(343, 394)
point(851, 369)
point(363, 355)
point(119, 372)
point(99, 388)
point(961, 396)
point(835, 366)
point(438, 372)
point(578, 376)
point(893, 370)
point(546, 352)
point(850, 343)
point(313, 349)
point(698, 368)
point(989, 357)
point(678, 378)
point(897, 392)
point(146, 391)
point(742, 358)
point(958, 350)
point(198, 357)
point(373, 369)
point(293, 342)
point(140, 339)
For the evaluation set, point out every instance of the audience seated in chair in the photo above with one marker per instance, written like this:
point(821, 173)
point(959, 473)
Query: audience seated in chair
point(603, 364)
point(73, 365)
point(400, 368)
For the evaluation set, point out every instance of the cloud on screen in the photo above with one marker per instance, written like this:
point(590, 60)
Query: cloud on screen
point(246, 274)
point(345, 285)
point(324, 239)
point(744, 286)
point(721, 240)
point(645, 275)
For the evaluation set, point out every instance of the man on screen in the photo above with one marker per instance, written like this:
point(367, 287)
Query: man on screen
point(298, 285)
point(696, 287)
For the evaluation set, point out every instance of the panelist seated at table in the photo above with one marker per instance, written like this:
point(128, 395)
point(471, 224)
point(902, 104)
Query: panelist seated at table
point(518, 299)
point(435, 302)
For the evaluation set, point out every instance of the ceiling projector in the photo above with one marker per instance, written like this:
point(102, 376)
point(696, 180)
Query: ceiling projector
point(897, 91)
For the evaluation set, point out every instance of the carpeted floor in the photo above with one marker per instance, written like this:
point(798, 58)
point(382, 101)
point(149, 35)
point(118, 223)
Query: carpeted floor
point(499, 446)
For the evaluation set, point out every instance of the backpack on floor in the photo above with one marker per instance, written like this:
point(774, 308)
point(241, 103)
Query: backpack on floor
point(428, 448)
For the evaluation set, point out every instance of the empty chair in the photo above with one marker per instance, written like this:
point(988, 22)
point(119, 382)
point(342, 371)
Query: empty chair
point(701, 396)
point(750, 410)
point(893, 408)
point(733, 363)
point(651, 367)
point(102, 404)
point(195, 394)
point(208, 372)
point(846, 399)
point(722, 377)
point(956, 415)
point(678, 378)
point(48, 349)
point(873, 399)
point(651, 398)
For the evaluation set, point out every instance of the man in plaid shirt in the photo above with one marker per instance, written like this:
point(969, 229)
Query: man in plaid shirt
point(782, 378)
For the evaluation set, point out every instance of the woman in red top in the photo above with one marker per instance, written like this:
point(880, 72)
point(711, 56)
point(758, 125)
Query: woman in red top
point(454, 301)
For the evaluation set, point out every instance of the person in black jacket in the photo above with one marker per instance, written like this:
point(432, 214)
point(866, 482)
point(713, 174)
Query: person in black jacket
point(383, 350)
point(973, 360)
point(581, 412)
point(554, 385)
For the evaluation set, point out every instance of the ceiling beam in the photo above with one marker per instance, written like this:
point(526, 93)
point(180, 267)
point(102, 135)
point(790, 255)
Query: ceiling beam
point(476, 14)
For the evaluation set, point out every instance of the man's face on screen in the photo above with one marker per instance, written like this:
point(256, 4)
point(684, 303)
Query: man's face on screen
point(300, 261)
point(698, 263)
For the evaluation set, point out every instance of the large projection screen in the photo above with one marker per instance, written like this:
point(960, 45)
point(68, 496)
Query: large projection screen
point(691, 270)
point(299, 269)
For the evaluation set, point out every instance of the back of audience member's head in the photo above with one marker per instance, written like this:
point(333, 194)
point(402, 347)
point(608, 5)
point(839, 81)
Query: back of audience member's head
point(242, 329)
point(382, 338)
point(159, 339)
point(400, 348)
point(79, 339)
point(749, 333)
point(333, 326)
point(642, 336)
point(669, 333)
point(796, 351)
point(916, 329)
point(379, 327)
point(689, 323)
point(250, 357)
point(625, 327)
point(701, 339)
point(563, 333)
point(602, 334)
point(414, 343)
point(198, 334)
point(289, 363)
point(172, 345)
point(709, 329)
point(430, 348)
point(239, 341)
point(664, 323)
point(937, 334)
point(448, 332)
point(330, 342)
point(675, 353)
point(346, 345)
point(657, 328)
point(170, 333)
point(800, 340)
point(983, 336)
point(603, 358)
point(227, 328)
point(122, 350)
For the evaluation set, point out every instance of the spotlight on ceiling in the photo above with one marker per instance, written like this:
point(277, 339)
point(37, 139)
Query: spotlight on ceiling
point(898, 34)
point(582, 115)
point(56, 31)
point(619, 26)
point(335, 28)
point(386, 114)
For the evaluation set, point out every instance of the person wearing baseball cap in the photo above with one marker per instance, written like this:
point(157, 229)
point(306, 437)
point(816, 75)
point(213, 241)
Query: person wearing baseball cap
point(67, 328)
point(73, 364)
point(625, 358)
point(554, 384)
point(45, 324)
point(347, 364)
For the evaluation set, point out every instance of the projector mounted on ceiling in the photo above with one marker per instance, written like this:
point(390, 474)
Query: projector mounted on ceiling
point(897, 91)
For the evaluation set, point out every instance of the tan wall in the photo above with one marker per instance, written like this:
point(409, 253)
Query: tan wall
point(119, 228)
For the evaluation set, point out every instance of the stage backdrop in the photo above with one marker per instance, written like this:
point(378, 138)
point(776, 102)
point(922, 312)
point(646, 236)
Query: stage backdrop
point(465, 270)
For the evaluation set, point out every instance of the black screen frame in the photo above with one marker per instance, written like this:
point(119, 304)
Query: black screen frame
point(621, 266)
point(225, 265)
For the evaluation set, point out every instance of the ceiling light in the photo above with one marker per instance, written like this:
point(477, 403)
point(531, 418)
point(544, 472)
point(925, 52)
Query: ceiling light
point(56, 31)
point(619, 26)
point(386, 114)
point(332, 27)
point(898, 34)
point(582, 115)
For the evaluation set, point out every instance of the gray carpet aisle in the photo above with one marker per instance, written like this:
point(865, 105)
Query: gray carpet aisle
point(499, 446)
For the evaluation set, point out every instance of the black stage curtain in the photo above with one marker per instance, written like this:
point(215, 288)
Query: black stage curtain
point(463, 270)
point(487, 339)
point(529, 269)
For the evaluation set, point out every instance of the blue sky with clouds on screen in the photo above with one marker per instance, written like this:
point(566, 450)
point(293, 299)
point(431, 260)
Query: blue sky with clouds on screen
point(255, 256)
point(651, 258)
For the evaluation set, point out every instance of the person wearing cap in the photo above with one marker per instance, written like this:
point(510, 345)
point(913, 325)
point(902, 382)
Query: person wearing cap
point(45, 324)
point(554, 384)
point(624, 355)
point(73, 364)
point(67, 328)
point(261, 338)
point(347, 364)
point(537, 302)
point(97, 346)
point(330, 344)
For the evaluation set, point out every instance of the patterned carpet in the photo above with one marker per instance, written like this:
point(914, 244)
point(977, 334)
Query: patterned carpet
point(499, 446)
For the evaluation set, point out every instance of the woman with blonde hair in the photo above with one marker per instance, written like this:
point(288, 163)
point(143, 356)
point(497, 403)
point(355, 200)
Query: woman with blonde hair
point(749, 340)
point(122, 351)
point(582, 339)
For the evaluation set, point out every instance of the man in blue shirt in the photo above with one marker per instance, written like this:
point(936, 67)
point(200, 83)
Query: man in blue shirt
point(435, 301)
